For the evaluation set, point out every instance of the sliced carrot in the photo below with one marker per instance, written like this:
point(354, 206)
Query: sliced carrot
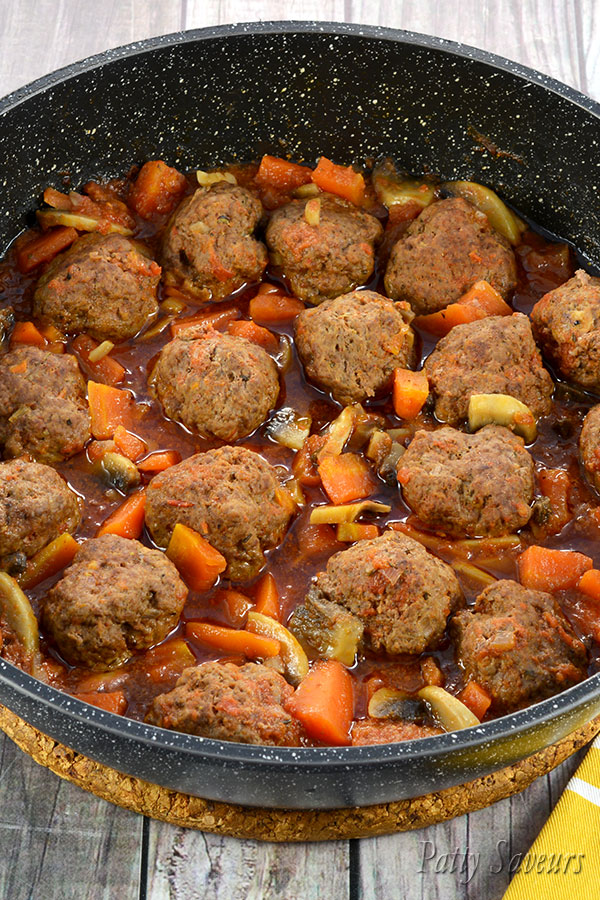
point(340, 180)
point(255, 333)
point(267, 597)
point(346, 477)
point(281, 174)
point(107, 369)
point(55, 339)
point(96, 449)
point(348, 532)
point(114, 702)
point(157, 189)
point(128, 519)
point(551, 570)
point(216, 319)
point(199, 563)
point(237, 606)
point(130, 445)
point(476, 698)
point(49, 560)
point(168, 659)
point(411, 390)
point(233, 640)
point(274, 307)
point(479, 302)
point(317, 540)
point(305, 461)
point(159, 461)
point(44, 248)
point(555, 484)
point(324, 702)
point(27, 333)
point(486, 298)
point(109, 408)
point(589, 584)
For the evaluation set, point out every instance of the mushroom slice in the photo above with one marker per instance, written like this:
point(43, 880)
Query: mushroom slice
point(50, 217)
point(328, 628)
point(387, 703)
point(447, 709)
point(293, 658)
point(394, 189)
point(289, 428)
point(16, 611)
point(500, 217)
point(501, 409)
point(346, 512)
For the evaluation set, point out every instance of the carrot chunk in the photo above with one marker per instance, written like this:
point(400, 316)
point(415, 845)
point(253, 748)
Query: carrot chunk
point(274, 307)
point(49, 560)
point(346, 477)
point(157, 190)
point(255, 333)
point(128, 519)
point(232, 640)
point(323, 703)
point(107, 369)
point(340, 180)
point(44, 248)
point(479, 302)
point(476, 698)
point(159, 461)
point(199, 563)
point(551, 570)
point(589, 584)
point(555, 484)
point(281, 174)
point(487, 299)
point(267, 597)
point(304, 465)
point(237, 606)
point(168, 659)
point(27, 333)
point(114, 702)
point(109, 408)
point(411, 390)
point(356, 531)
point(130, 445)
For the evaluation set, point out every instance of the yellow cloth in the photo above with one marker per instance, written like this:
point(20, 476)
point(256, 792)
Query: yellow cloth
point(563, 862)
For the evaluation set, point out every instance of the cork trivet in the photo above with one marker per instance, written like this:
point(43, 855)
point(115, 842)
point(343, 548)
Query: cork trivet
point(287, 824)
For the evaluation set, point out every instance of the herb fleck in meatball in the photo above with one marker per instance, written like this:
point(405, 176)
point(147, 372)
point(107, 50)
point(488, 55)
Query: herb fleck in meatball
point(449, 247)
point(102, 285)
point(327, 259)
point(351, 345)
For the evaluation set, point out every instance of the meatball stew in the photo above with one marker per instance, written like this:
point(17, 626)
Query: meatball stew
point(292, 454)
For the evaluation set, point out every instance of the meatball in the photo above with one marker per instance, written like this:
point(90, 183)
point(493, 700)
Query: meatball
point(589, 446)
point(231, 496)
point(566, 324)
point(327, 259)
point(216, 384)
point(351, 345)
point(102, 285)
point(496, 355)
point(401, 592)
point(468, 484)
point(208, 246)
point(518, 645)
point(43, 409)
point(36, 506)
point(380, 731)
point(115, 598)
point(449, 247)
point(229, 703)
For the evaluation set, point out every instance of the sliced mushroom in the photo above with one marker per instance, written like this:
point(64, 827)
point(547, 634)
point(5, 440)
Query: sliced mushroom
point(346, 512)
point(50, 217)
point(208, 178)
point(447, 709)
point(16, 611)
point(119, 471)
point(289, 428)
point(487, 201)
point(329, 629)
point(294, 661)
point(387, 703)
point(501, 409)
point(394, 189)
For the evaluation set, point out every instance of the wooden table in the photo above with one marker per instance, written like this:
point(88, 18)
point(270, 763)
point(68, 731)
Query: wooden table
point(58, 842)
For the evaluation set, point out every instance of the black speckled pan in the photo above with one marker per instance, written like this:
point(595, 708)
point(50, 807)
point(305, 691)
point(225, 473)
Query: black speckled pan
point(349, 92)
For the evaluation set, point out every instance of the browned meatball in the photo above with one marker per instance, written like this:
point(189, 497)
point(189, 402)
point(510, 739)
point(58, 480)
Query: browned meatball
point(36, 506)
point(401, 592)
point(230, 496)
point(102, 285)
point(449, 247)
point(518, 645)
point(229, 703)
point(116, 597)
point(351, 345)
point(589, 446)
point(380, 731)
point(496, 355)
point(327, 259)
point(216, 384)
point(43, 409)
point(566, 323)
point(209, 247)
point(468, 484)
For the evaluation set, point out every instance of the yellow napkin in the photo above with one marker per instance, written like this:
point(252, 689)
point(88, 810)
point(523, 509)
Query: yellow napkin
point(562, 863)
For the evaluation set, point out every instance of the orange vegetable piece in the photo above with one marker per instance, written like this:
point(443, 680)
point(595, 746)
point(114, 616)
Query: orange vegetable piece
point(130, 445)
point(356, 531)
point(487, 299)
point(589, 584)
point(411, 390)
point(210, 319)
point(199, 563)
point(255, 333)
point(107, 369)
point(267, 597)
point(44, 248)
point(476, 698)
point(233, 640)
point(128, 519)
point(109, 408)
point(49, 560)
point(114, 702)
point(551, 570)
point(27, 333)
point(324, 703)
point(157, 189)
point(168, 659)
point(281, 174)
point(237, 606)
point(274, 307)
point(340, 180)
point(556, 485)
point(317, 540)
point(159, 461)
point(304, 465)
point(346, 477)
point(479, 302)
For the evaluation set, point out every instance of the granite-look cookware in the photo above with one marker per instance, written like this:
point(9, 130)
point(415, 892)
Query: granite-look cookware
point(349, 92)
